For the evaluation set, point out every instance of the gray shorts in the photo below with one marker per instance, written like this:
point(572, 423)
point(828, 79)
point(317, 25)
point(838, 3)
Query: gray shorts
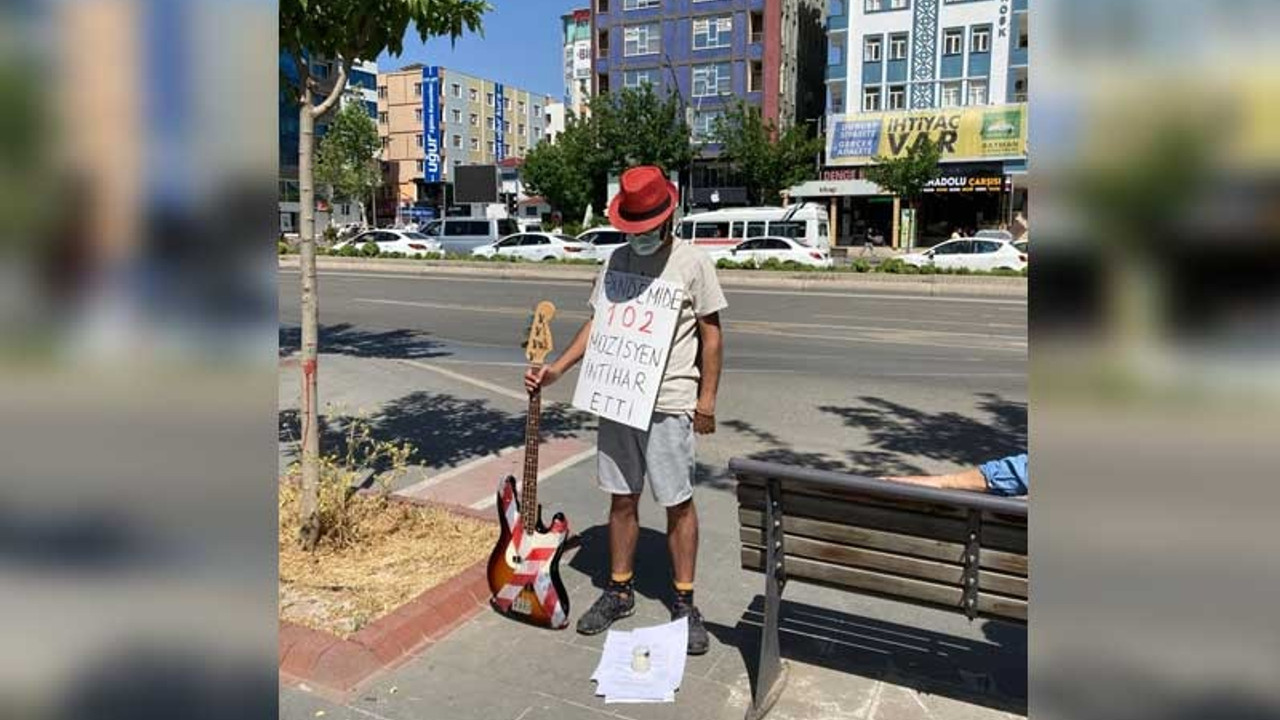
point(664, 455)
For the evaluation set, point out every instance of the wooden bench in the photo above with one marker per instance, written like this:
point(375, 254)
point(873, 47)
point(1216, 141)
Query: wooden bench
point(960, 551)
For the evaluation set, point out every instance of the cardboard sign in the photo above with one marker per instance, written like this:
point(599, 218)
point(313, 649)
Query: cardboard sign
point(627, 351)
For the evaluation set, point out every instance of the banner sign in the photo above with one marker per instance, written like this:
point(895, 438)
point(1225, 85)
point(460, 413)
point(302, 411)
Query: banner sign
point(631, 334)
point(431, 172)
point(964, 134)
point(499, 116)
point(967, 182)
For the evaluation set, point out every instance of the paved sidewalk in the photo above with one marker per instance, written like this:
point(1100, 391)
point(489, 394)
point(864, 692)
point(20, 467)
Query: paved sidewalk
point(851, 656)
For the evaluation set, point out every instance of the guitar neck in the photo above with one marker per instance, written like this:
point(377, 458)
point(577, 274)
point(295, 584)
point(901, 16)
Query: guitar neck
point(529, 492)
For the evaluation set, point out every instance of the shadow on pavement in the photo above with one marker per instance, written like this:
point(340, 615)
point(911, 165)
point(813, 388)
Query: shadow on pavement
point(991, 673)
point(346, 339)
point(444, 429)
point(652, 568)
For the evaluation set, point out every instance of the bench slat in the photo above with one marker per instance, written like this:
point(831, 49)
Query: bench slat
point(890, 562)
point(999, 537)
point(894, 586)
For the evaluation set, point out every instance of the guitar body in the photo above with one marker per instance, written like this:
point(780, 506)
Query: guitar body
point(524, 568)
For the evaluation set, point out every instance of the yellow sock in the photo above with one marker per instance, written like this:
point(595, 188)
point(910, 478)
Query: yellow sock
point(684, 586)
point(621, 577)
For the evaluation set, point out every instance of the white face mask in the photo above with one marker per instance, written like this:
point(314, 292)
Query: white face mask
point(646, 243)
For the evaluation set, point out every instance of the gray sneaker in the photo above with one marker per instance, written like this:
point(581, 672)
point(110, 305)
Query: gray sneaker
point(698, 640)
point(610, 606)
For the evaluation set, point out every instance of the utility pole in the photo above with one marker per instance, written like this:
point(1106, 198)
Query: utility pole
point(684, 110)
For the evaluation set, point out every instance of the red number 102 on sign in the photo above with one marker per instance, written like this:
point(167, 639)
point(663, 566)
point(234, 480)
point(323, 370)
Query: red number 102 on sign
point(629, 317)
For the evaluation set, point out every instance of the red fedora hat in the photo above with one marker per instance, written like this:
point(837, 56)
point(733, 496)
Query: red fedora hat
point(644, 201)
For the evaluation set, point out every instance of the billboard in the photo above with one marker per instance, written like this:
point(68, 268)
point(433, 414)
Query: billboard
point(992, 132)
point(475, 184)
point(431, 168)
point(499, 117)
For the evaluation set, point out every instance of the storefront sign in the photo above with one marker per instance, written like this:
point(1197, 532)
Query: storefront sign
point(431, 124)
point(962, 182)
point(631, 334)
point(838, 174)
point(975, 133)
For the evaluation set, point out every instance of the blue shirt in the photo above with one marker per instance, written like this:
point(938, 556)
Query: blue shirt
point(1006, 476)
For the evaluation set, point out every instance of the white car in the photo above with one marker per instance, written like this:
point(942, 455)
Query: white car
point(601, 242)
point(757, 250)
point(971, 254)
point(533, 246)
point(412, 244)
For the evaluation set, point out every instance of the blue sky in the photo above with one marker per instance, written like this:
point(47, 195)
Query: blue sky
point(521, 46)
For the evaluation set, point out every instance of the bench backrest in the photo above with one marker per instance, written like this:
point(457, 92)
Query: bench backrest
point(947, 548)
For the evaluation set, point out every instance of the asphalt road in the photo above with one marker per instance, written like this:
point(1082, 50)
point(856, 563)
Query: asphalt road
point(864, 382)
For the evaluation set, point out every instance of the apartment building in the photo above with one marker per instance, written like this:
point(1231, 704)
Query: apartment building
point(577, 59)
point(712, 54)
point(432, 119)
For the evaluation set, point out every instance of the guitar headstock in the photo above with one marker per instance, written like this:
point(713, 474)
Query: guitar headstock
point(538, 345)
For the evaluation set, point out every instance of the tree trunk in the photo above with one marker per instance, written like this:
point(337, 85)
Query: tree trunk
point(309, 533)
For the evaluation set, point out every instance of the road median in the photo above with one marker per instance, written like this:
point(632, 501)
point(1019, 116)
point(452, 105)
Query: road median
point(935, 285)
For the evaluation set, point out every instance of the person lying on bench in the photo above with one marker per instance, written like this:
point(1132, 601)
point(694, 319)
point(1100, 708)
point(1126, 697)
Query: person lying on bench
point(1006, 476)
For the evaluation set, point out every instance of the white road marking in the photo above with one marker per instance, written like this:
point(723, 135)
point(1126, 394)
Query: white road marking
point(505, 392)
point(543, 476)
point(415, 489)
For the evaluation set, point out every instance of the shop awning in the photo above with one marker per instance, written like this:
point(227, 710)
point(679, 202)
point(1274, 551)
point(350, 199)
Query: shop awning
point(835, 188)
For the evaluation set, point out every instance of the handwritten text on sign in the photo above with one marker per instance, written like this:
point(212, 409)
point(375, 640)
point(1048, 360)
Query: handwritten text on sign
point(627, 351)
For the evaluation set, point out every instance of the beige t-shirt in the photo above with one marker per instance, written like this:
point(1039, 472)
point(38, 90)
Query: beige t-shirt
point(688, 267)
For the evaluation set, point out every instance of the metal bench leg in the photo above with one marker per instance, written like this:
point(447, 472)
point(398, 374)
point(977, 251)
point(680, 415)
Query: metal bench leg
point(771, 672)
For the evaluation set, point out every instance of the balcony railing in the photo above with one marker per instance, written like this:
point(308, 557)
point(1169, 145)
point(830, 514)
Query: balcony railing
point(838, 23)
point(757, 37)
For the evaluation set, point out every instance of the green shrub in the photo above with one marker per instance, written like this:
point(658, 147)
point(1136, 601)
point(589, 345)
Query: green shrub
point(369, 249)
point(330, 235)
point(893, 266)
point(860, 265)
point(282, 248)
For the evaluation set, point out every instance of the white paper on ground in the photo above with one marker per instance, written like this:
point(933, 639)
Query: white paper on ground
point(667, 645)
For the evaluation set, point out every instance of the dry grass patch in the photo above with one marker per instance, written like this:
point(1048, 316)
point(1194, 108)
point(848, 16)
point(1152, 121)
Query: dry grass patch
point(399, 551)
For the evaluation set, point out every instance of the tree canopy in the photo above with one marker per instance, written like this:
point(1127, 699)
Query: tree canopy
point(768, 161)
point(630, 127)
point(907, 176)
point(347, 157)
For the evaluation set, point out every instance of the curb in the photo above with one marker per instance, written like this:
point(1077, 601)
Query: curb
point(932, 285)
point(337, 667)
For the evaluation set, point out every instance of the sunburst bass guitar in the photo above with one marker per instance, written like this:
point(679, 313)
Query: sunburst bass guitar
point(524, 567)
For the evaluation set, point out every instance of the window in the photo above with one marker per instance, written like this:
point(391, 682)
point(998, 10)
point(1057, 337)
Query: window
point(602, 81)
point(642, 40)
point(488, 99)
point(636, 78)
point(602, 6)
point(474, 119)
point(475, 144)
point(602, 44)
point(456, 89)
point(953, 41)
point(382, 92)
point(417, 89)
point(704, 125)
point(490, 147)
point(506, 126)
point(951, 94)
point(755, 27)
point(977, 92)
point(714, 32)
point(320, 71)
point(898, 46)
point(417, 114)
point(755, 76)
point(712, 80)
point(473, 95)
point(490, 121)
point(537, 110)
point(985, 246)
point(382, 118)
point(457, 116)
point(520, 129)
point(897, 97)
point(422, 165)
point(506, 104)
point(898, 4)
point(871, 99)
point(417, 139)
point(981, 40)
point(872, 49)
point(386, 141)
point(640, 4)
point(879, 5)
point(521, 106)
point(457, 141)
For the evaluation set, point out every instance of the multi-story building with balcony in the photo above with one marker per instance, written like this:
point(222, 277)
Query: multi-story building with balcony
point(432, 119)
point(577, 59)
point(712, 54)
point(952, 70)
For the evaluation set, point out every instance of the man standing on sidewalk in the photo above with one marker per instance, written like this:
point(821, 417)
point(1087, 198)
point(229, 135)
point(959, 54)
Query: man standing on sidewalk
point(686, 403)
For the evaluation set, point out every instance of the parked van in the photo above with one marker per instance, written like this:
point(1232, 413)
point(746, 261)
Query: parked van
point(805, 223)
point(459, 236)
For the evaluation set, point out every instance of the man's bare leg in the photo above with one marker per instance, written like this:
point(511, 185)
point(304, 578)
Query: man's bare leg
point(682, 541)
point(624, 533)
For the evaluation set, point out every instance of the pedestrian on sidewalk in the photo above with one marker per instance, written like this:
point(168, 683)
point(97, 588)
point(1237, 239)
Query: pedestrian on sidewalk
point(686, 404)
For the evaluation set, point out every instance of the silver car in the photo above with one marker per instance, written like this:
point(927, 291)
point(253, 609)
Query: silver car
point(459, 236)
